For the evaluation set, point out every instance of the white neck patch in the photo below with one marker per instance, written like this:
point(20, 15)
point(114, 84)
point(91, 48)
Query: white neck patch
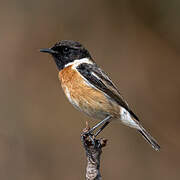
point(77, 62)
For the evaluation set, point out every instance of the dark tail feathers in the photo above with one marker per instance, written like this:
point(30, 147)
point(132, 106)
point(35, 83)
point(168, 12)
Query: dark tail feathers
point(149, 139)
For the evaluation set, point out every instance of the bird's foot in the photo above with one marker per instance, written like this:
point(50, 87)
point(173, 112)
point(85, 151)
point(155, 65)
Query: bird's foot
point(87, 133)
point(91, 144)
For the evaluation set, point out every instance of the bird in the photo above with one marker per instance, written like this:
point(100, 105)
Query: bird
point(90, 90)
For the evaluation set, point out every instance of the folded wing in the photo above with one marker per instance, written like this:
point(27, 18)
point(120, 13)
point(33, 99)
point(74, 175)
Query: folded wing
point(97, 78)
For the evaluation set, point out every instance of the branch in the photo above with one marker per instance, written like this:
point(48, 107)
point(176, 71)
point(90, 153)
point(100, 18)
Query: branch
point(93, 154)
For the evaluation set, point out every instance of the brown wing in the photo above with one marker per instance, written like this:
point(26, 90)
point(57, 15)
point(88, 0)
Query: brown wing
point(96, 77)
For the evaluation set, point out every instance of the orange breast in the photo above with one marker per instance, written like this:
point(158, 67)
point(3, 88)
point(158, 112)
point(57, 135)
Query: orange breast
point(87, 99)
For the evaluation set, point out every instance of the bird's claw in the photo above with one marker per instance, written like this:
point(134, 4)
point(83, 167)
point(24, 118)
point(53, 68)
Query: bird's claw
point(89, 135)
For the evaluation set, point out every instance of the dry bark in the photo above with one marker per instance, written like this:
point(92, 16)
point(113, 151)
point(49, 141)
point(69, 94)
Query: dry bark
point(93, 148)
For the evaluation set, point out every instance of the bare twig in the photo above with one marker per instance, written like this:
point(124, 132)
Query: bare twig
point(93, 150)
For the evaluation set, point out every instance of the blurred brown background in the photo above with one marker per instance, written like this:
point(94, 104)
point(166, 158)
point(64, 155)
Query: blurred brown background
point(137, 42)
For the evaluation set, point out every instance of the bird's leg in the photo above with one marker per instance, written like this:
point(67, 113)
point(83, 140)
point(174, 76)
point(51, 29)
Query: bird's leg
point(100, 129)
point(104, 121)
point(89, 132)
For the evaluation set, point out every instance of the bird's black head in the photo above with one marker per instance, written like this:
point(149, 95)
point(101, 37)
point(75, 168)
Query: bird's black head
point(67, 51)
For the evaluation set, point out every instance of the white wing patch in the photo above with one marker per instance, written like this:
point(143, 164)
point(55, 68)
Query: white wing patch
point(95, 75)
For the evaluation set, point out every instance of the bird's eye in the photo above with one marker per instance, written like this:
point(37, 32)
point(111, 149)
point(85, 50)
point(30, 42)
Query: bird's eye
point(65, 49)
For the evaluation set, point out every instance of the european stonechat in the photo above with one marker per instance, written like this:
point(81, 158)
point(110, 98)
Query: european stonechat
point(90, 90)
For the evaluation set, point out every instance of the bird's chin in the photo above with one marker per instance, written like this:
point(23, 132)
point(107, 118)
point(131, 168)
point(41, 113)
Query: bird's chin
point(58, 62)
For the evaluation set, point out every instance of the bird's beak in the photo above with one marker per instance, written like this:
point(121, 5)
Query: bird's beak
point(48, 50)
